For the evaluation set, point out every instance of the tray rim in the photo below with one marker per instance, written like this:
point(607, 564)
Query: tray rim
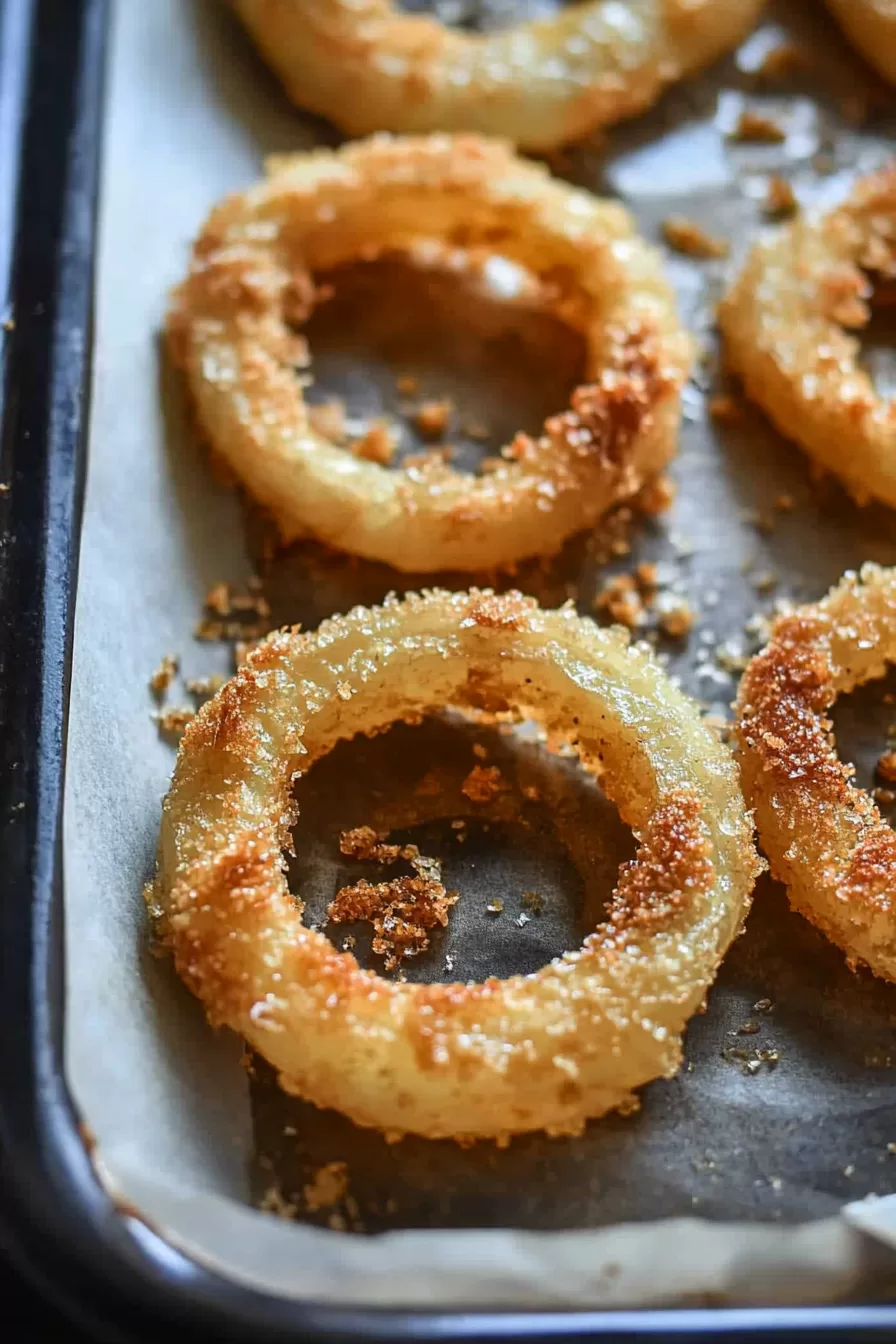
point(96, 1262)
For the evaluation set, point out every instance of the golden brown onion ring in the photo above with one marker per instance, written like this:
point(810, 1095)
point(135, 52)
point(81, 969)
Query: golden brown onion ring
point(871, 26)
point(369, 67)
point(783, 323)
point(824, 836)
point(229, 328)
point(540, 1051)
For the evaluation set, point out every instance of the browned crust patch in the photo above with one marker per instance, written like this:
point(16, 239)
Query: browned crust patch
point(220, 903)
point(784, 697)
point(671, 866)
point(871, 876)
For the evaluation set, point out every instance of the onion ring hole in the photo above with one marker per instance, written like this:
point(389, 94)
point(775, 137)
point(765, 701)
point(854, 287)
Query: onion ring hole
point(524, 834)
point(396, 342)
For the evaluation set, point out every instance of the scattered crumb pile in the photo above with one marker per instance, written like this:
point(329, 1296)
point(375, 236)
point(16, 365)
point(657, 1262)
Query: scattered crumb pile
point(230, 614)
point(483, 783)
point(401, 910)
point(328, 1186)
point(628, 599)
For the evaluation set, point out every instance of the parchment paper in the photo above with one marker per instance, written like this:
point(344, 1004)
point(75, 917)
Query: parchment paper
point(611, 1219)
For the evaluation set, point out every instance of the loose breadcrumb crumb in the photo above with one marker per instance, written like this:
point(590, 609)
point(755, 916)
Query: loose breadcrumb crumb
point(432, 417)
point(328, 1186)
point(686, 236)
point(750, 1062)
point(647, 575)
point(780, 198)
point(173, 722)
point(164, 674)
point(620, 600)
point(366, 844)
point(377, 445)
point(676, 620)
point(483, 783)
point(232, 615)
point(757, 128)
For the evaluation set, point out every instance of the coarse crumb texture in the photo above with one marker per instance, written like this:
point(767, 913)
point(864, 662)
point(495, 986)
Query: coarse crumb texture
point(871, 26)
point(786, 326)
point(824, 837)
point(229, 328)
point(401, 911)
point(370, 67)
point(540, 1051)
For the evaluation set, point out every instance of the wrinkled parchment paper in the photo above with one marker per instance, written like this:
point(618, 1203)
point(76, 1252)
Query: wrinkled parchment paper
point(179, 1132)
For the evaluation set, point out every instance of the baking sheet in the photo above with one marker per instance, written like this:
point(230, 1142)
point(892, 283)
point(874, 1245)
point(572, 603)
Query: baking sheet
point(736, 1136)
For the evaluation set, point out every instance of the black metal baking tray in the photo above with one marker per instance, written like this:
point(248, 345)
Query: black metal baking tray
point(96, 1263)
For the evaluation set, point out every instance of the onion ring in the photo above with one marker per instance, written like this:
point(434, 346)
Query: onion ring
point(783, 323)
point(871, 27)
point(540, 1051)
point(368, 67)
point(228, 329)
point(824, 837)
